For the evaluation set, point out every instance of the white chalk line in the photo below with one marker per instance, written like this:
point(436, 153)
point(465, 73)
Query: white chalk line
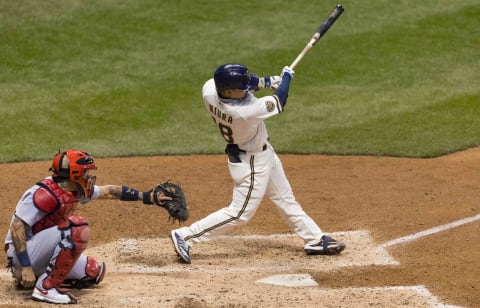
point(431, 231)
point(419, 289)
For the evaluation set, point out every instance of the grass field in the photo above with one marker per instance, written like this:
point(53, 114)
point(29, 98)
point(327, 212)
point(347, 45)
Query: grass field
point(121, 78)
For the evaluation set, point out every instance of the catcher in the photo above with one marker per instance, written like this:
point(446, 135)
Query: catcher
point(46, 239)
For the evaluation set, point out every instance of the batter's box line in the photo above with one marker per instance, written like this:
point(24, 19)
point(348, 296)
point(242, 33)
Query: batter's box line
point(419, 289)
point(415, 236)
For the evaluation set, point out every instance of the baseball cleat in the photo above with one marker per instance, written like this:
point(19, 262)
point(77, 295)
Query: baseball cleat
point(181, 247)
point(326, 246)
point(53, 295)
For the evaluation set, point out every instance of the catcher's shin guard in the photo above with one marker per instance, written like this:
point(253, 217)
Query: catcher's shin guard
point(75, 235)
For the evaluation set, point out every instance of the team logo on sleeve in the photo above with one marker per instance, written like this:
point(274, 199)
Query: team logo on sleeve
point(270, 106)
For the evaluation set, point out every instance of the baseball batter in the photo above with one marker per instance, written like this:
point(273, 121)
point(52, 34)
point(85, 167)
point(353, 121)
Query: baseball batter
point(45, 242)
point(254, 166)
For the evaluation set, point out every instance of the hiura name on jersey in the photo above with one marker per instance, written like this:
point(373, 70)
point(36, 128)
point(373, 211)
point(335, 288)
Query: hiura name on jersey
point(220, 114)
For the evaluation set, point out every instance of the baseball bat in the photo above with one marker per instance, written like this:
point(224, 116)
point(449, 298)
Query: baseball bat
point(337, 11)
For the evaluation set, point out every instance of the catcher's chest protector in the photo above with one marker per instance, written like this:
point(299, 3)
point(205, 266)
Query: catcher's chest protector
point(57, 203)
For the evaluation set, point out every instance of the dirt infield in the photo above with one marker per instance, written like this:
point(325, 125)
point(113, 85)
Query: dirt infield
point(368, 202)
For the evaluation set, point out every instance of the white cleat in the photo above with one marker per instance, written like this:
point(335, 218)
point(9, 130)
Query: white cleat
point(54, 296)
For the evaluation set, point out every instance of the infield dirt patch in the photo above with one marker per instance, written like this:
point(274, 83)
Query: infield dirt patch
point(386, 197)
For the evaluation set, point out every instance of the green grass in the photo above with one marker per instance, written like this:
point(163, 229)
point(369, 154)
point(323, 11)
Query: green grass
point(121, 78)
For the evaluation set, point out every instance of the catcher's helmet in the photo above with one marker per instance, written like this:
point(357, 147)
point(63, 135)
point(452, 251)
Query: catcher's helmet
point(234, 76)
point(75, 165)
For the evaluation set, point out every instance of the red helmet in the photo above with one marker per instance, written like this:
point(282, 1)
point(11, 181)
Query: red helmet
point(75, 165)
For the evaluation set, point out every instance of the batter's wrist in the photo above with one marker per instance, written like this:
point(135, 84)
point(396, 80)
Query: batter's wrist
point(264, 82)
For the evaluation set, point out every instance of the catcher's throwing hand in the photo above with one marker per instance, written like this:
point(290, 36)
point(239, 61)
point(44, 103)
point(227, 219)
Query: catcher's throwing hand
point(171, 197)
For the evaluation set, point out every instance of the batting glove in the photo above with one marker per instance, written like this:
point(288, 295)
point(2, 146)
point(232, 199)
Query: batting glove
point(275, 82)
point(269, 82)
point(287, 70)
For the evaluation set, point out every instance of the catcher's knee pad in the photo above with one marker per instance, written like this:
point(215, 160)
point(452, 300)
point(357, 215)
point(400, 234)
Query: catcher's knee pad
point(75, 233)
point(94, 270)
point(94, 273)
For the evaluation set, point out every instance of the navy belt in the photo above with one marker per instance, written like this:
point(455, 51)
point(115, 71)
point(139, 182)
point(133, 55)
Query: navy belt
point(233, 151)
point(263, 149)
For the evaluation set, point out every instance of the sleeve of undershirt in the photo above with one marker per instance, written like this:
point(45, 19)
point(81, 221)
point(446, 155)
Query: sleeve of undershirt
point(282, 91)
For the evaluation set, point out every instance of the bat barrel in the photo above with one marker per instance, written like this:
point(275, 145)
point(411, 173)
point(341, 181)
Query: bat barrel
point(337, 11)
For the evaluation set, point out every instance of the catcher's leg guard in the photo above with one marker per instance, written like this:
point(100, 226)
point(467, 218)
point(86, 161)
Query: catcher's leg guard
point(75, 235)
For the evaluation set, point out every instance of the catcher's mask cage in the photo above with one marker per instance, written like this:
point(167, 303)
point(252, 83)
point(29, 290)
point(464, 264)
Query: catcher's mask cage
point(75, 165)
point(234, 76)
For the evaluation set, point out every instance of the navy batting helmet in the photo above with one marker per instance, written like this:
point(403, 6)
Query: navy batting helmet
point(234, 76)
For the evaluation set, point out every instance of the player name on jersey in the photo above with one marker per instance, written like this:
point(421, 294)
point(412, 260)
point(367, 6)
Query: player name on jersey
point(220, 114)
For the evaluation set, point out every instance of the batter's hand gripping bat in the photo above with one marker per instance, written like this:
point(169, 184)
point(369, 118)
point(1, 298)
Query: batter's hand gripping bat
point(337, 11)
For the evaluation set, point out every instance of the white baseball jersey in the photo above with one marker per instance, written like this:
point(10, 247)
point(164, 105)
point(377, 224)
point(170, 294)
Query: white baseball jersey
point(258, 173)
point(241, 121)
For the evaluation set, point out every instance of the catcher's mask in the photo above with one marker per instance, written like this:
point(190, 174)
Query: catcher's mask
point(234, 76)
point(75, 165)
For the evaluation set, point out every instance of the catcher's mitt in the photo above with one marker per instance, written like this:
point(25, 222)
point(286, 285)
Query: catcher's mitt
point(177, 207)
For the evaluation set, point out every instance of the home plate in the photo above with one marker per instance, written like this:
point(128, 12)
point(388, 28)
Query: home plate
point(290, 280)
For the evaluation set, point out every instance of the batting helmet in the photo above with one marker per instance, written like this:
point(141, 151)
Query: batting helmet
point(75, 165)
point(234, 76)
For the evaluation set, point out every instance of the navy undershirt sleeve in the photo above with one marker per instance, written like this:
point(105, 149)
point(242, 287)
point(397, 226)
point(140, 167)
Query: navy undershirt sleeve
point(282, 90)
